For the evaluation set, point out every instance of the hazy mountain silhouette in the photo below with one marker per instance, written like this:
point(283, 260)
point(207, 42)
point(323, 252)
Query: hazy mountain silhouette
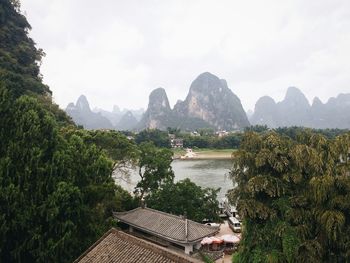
point(295, 110)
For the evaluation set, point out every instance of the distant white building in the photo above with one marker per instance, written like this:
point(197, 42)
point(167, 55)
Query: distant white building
point(222, 133)
point(195, 133)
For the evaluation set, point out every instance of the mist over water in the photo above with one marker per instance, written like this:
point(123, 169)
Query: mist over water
point(205, 173)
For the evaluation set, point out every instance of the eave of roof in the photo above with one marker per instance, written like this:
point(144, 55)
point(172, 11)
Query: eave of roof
point(212, 230)
point(162, 254)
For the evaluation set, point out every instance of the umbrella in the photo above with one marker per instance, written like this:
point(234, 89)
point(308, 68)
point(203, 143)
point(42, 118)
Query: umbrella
point(216, 240)
point(206, 241)
point(230, 239)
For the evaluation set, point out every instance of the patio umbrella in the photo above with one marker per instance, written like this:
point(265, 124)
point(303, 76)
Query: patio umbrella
point(230, 239)
point(216, 240)
point(206, 241)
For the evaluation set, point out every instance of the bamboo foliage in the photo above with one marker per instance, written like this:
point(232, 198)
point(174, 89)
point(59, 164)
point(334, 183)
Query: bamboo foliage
point(294, 196)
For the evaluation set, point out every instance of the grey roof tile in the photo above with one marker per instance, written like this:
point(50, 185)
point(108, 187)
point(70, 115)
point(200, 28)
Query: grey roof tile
point(165, 225)
point(120, 247)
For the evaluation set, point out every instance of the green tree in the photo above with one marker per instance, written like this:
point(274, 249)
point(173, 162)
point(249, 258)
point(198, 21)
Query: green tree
point(115, 145)
point(56, 188)
point(175, 131)
point(154, 168)
point(294, 131)
point(186, 198)
point(206, 131)
point(20, 59)
point(49, 185)
point(158, 137)
point(293, 196)
point(257, 128)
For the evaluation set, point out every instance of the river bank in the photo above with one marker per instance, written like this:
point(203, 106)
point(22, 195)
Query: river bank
point(205, 154)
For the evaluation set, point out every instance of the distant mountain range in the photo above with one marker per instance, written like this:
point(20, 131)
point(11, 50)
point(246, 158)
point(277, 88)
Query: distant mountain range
point(211, 104)
point(102, 119)
point(82, 115)
point(116, 115)
point(295, 110)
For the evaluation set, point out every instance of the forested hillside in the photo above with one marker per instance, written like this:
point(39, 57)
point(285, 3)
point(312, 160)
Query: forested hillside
point(56, 188)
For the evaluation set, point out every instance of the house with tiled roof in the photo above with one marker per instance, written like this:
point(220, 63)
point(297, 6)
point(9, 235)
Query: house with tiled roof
point(119, 247)
point(167, 229)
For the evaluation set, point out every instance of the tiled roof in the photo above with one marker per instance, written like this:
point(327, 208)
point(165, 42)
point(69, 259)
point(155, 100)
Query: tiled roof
point(117, 246)
point(167, 226)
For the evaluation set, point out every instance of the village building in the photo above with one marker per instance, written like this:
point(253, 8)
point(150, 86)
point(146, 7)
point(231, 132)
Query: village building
point(195, 133)
point(166, 229)
point(119, 247)
point(177, 143)
point(222, 133)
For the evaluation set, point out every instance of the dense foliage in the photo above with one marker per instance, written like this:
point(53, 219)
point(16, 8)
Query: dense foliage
point(56, 185)
point(19, 58)
point(293, 132)
point(154, 168)
point(157, 137)
point(186, 198)
point(158, 190)
point(49, 186)
point(294, 197)
point(206, 138)
point(230, 141)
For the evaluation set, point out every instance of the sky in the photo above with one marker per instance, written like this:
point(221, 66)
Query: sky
point(117, 51)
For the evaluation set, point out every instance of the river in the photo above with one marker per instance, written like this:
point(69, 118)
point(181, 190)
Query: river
point(206, 173)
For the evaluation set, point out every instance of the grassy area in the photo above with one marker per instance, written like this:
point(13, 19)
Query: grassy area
point(205, 153)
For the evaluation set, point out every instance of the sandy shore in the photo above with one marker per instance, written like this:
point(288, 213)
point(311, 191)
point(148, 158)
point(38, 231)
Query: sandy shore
point(207, 155)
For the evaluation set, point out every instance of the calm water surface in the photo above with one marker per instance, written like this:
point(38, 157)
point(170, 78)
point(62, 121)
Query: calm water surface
point(206, 173)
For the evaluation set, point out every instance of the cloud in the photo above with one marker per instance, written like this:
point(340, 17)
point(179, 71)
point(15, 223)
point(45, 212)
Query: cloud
point(116, 52)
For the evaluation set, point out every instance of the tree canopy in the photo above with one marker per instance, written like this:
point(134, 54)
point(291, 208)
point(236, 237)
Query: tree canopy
point(19, 58)
point(154, 168)
point(56, 185)
point(49, 185)
point(186, 198)
point(294, 197)
point(157, 137)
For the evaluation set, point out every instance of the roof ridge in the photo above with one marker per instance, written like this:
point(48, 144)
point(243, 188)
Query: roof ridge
point(152, 210)
point(164, 213)
point(176, 216)
point(136, 217)
point(125, 212)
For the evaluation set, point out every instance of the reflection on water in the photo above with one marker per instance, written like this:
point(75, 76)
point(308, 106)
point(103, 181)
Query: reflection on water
point(206, 173)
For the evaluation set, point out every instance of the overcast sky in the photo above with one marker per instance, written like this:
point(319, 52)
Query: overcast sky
point(116, 52)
